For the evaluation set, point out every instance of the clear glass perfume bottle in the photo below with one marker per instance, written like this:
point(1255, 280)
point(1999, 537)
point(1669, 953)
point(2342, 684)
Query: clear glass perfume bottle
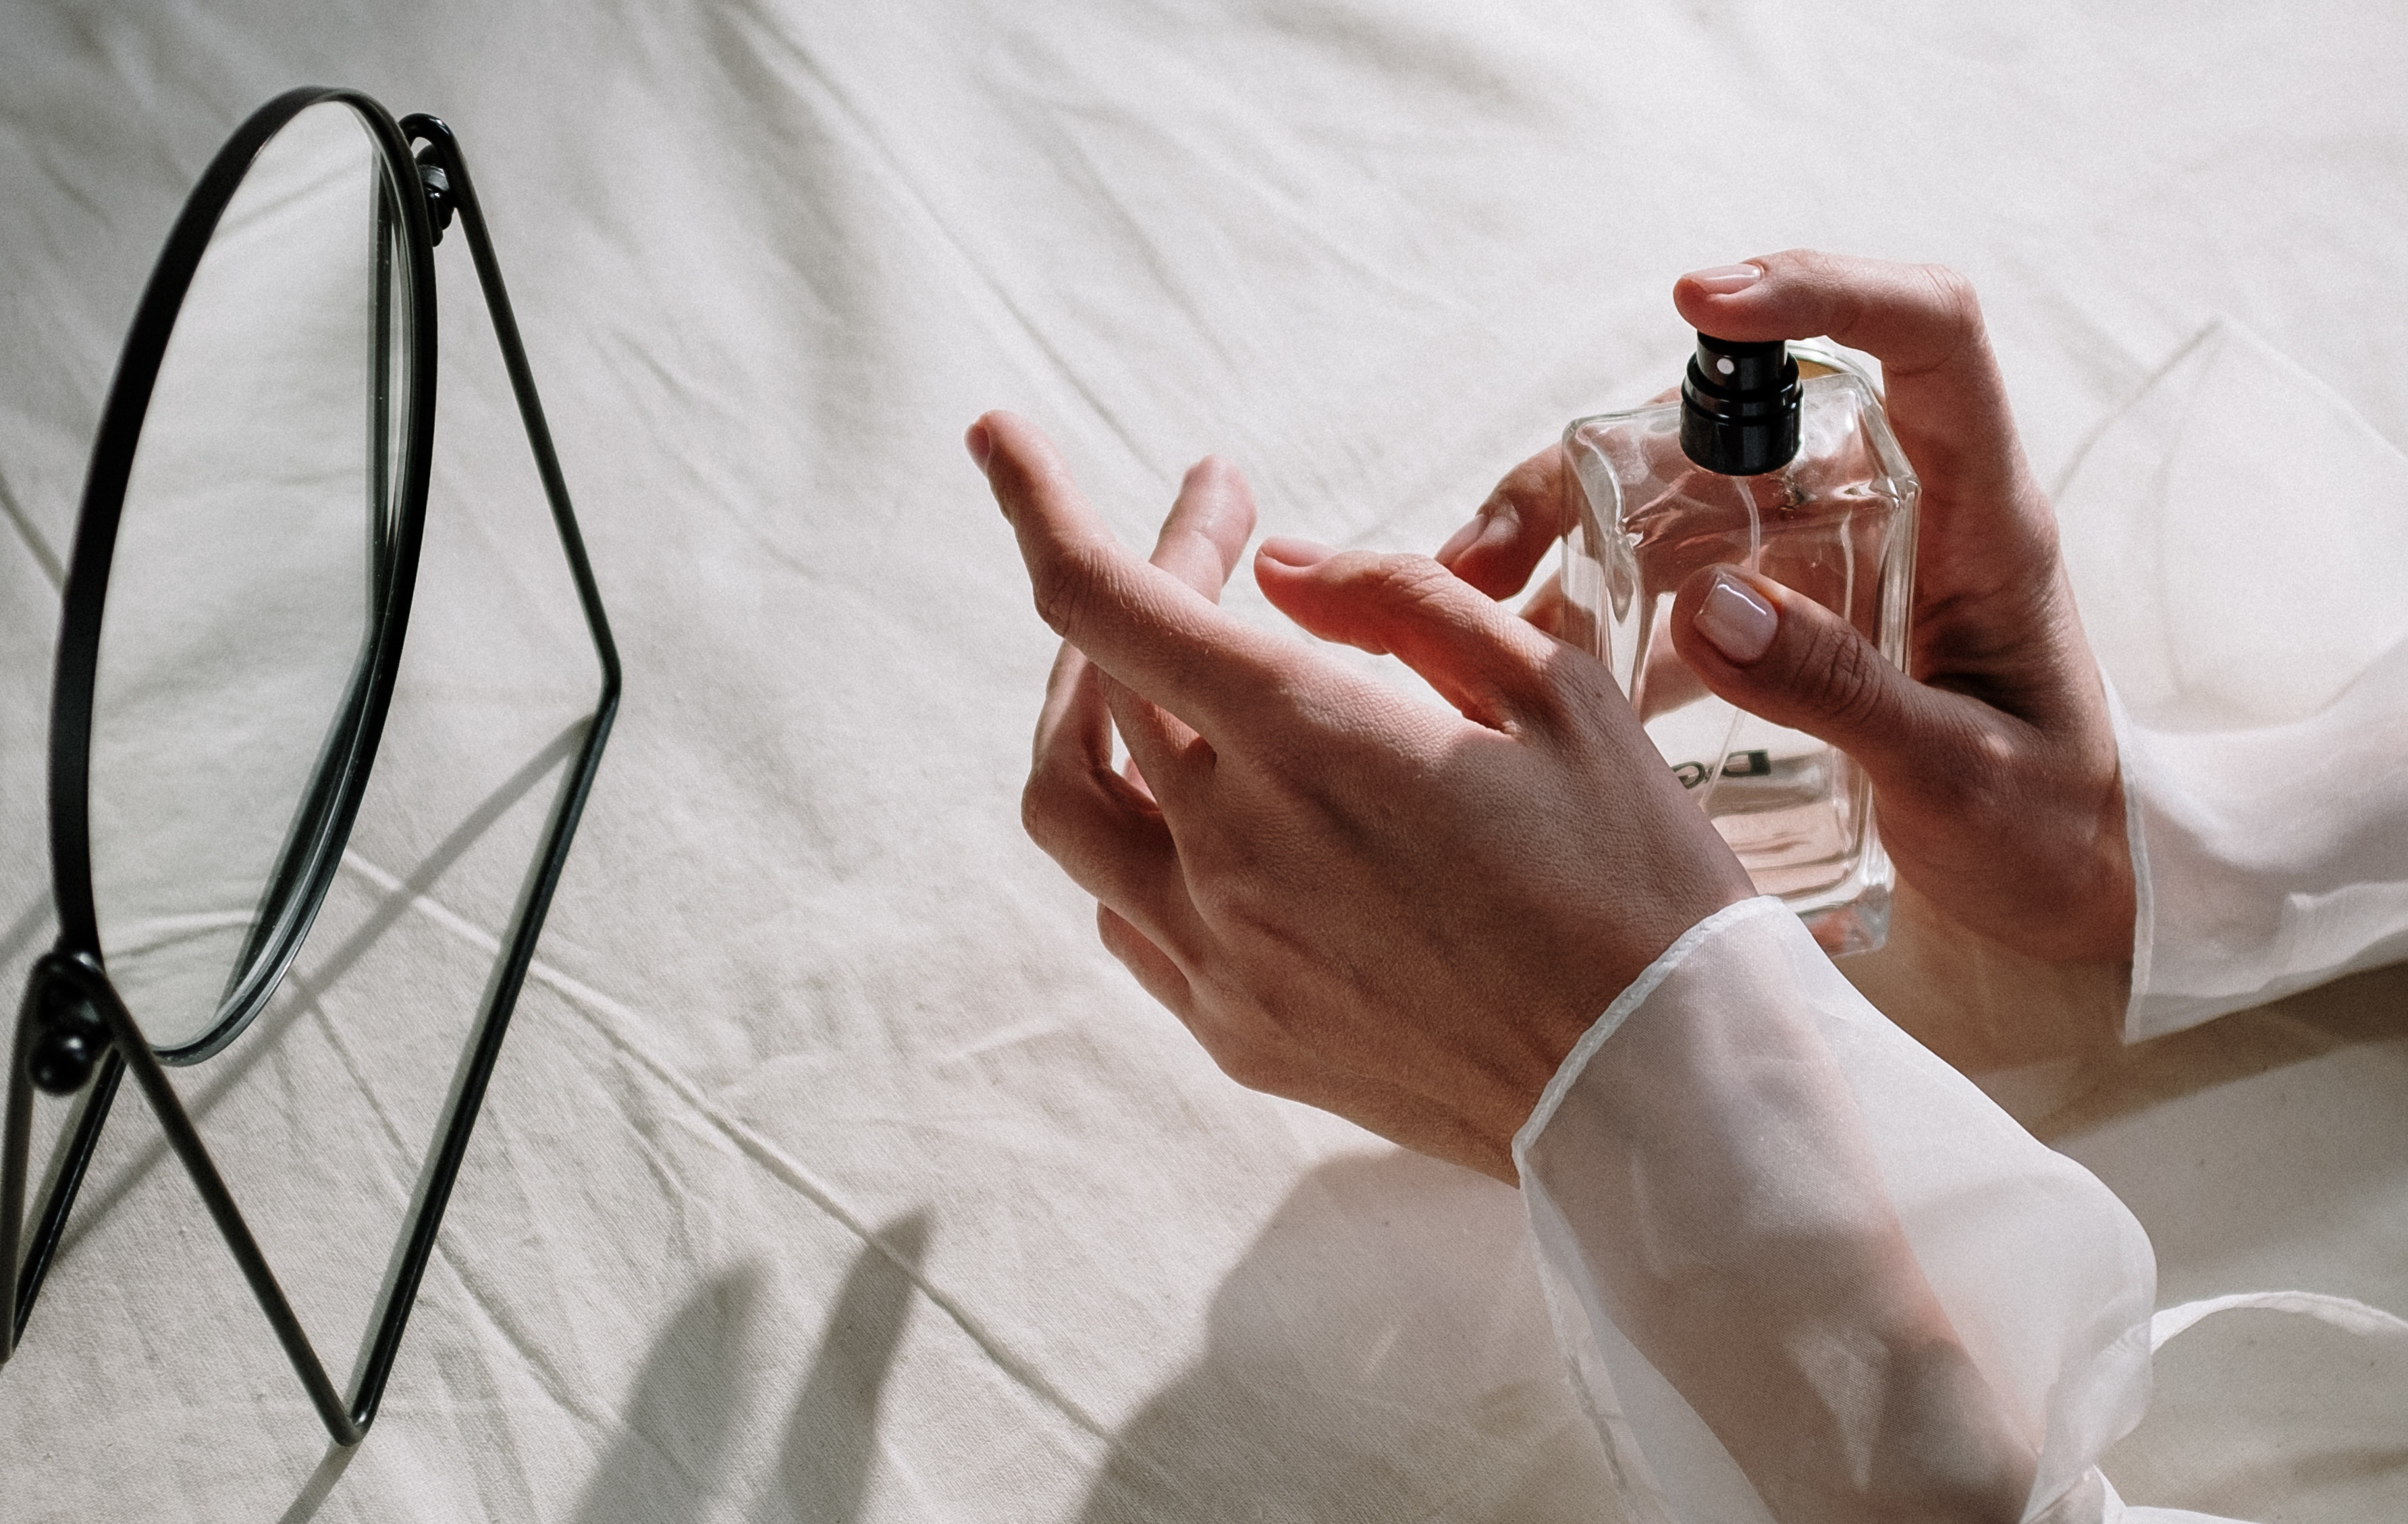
point(1782, 462)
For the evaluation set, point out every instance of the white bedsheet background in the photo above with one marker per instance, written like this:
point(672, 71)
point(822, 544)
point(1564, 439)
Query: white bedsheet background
point(833, 1172)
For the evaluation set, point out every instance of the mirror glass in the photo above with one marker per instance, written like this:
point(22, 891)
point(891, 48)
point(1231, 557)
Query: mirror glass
point(240, 597)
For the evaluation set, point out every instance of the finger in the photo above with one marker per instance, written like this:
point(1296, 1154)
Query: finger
point(1209, 526)
point(1162, 750)
point(1135, 621)
point(1154, 969)
point(1134, 778)
point(1207, 530)
point(1947, 402)
point(1102, 829)
point(1505, 541)
point(1486, 662)
point(1785, 658)
point(1670, 683)
point(1547, 610)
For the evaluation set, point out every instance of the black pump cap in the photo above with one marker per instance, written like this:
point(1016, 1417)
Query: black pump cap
point(1739, 406)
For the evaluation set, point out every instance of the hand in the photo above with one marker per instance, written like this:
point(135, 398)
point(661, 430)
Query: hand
point(1353, 899)
point(1992, 759)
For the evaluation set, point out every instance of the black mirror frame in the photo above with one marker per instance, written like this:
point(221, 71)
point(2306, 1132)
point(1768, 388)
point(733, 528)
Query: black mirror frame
point(69, 1004)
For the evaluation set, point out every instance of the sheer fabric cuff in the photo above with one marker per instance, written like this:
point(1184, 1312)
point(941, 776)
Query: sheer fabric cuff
point(2266, 859)
point(1802, 1269)
point(2234, 537)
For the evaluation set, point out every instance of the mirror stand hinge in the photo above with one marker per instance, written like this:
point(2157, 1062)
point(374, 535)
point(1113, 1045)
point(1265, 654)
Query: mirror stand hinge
point(69, 1038)
point(439, 191)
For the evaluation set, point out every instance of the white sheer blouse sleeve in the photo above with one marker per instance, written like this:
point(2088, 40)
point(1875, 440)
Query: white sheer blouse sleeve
point(2237, 539)
point(1803, 1270)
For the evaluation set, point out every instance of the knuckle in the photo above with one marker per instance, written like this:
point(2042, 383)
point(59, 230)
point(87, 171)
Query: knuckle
point(1066, 586)
point(1121, 939)
point(1041, 808)
point(1842, 677)
point(1406, 579)
point(1957, 311)
point(1247, 1061)
point(1052, 803)
point(1407, 586)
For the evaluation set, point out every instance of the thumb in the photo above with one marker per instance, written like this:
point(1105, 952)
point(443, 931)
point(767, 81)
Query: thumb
point(1487, 663)
point(1784, 657)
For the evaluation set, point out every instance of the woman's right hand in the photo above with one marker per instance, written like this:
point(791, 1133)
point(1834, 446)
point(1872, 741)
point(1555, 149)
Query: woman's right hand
point(1992, 758)
point(1397, 913)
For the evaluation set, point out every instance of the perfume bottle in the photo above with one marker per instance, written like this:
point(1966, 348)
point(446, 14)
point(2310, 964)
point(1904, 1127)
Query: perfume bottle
point(1778, 459)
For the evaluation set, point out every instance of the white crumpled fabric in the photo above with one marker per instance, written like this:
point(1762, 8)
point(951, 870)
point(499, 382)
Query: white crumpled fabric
point(1749, 1188)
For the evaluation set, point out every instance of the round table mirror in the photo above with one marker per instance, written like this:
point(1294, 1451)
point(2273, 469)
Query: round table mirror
point(230, 628)
point(231, 713)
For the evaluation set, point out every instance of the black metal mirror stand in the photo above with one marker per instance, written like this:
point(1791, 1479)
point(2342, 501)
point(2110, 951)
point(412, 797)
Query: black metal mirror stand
point(71, 1009)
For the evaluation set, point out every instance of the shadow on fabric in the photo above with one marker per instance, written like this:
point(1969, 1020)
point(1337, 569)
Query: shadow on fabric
point(671, 1464)
point(2364, 1010)
point(679, 1414)
point(322, 1482)
point(833, 1435)
point(1382, 1352)
point(2262, 1415)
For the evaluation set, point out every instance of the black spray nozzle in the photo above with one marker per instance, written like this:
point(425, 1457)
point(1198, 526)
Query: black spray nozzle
point(1739, 406)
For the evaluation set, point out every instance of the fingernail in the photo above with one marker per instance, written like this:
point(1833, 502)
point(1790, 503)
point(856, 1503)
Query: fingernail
point(1288, 550)
point(1724, 278)
point(1737, 620)
point(981, 444)
point(1494, 530)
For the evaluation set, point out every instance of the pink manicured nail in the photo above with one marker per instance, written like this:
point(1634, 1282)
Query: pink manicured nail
point(1737, 620)
point(980, 442)
point(1288, 550)
point(1492, 530)
point(1724, 278)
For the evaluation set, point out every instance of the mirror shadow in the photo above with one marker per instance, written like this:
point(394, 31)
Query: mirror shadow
point(320, 1485)
point(302, 988)
point(1382, 1352)
point(833, 1436)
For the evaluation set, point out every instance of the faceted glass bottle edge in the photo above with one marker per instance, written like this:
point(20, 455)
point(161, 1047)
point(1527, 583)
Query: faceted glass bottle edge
point(1851, 914)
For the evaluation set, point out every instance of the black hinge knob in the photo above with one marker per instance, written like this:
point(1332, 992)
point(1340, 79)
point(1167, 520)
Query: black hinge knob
point(439, 192)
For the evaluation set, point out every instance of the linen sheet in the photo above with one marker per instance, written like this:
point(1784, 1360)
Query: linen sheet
point(833, 1171)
